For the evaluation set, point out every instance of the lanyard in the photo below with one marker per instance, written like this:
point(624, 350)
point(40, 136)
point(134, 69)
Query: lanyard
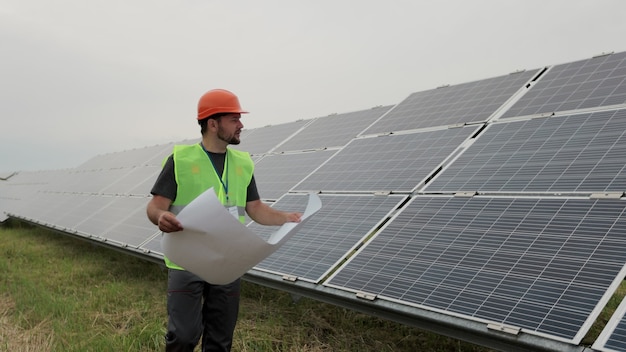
point(224, 172)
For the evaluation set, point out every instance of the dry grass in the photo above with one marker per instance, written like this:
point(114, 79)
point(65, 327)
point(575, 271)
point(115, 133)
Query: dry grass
point(38, 338)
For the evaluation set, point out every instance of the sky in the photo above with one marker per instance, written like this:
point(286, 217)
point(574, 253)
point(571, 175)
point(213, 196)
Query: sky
point(83, 78)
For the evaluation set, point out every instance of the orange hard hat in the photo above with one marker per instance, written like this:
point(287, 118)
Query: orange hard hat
point(218, 101)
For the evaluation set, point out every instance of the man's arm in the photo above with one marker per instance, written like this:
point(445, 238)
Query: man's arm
point(159, 214)
point(266, 215)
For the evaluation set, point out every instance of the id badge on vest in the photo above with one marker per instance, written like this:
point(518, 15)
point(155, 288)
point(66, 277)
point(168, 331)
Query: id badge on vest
point(232, 209)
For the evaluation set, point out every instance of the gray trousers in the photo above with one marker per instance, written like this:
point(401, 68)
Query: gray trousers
point(197, 308)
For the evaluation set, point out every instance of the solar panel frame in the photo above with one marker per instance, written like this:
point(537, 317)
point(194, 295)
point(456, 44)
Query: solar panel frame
point(523, 261)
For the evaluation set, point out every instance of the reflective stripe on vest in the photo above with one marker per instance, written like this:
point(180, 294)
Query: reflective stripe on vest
point(195, 174)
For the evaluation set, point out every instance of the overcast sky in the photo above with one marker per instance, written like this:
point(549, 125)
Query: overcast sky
point(82, 78)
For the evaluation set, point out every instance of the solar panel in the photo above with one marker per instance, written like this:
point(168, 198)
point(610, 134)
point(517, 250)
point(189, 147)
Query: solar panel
point(87, 181)
point(5, 201)
point(108, 218)
point(92, 217)
point(338, 227)
point(10, 196)
point(542, 265)
point(128, 223)
point(67, 210)
point(276, 174)
point(23, 188)
point(575, 153)
point(595, 82)
point(145, 186)
point(332, 131)
point(451, 105)
point(38, 210)
point(265, 139)
point(137, 181)
point(99, 161)
point(130, 172)
point(152, 155)
point(613, 337)
point(386, 163)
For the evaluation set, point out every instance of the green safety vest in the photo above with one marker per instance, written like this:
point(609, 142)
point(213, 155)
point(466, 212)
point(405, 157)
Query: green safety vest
point(195, 174)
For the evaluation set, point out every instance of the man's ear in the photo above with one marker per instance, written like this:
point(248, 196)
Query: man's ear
point(212, 123)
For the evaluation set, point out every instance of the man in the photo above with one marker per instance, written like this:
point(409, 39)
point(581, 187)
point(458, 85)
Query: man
point(197, 308)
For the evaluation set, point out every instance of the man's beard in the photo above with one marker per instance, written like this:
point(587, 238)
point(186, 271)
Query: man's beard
point(228, 139)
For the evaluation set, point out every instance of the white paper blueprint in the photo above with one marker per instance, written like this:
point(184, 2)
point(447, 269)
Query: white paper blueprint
point(216, 246)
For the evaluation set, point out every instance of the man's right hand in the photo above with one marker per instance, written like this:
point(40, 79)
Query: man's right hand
point(169, 223)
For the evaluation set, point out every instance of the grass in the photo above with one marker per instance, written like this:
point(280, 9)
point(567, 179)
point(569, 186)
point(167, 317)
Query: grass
point(58, 293)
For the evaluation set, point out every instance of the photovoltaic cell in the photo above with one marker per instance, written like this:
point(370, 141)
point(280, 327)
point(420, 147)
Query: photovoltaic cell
point(341, 224)
point(276, 174)
point(595, 82)
point(539, 264)
point(332, 131)
point(451, 105)
point(386, 163)
point(576, 153)
point(613, 337)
